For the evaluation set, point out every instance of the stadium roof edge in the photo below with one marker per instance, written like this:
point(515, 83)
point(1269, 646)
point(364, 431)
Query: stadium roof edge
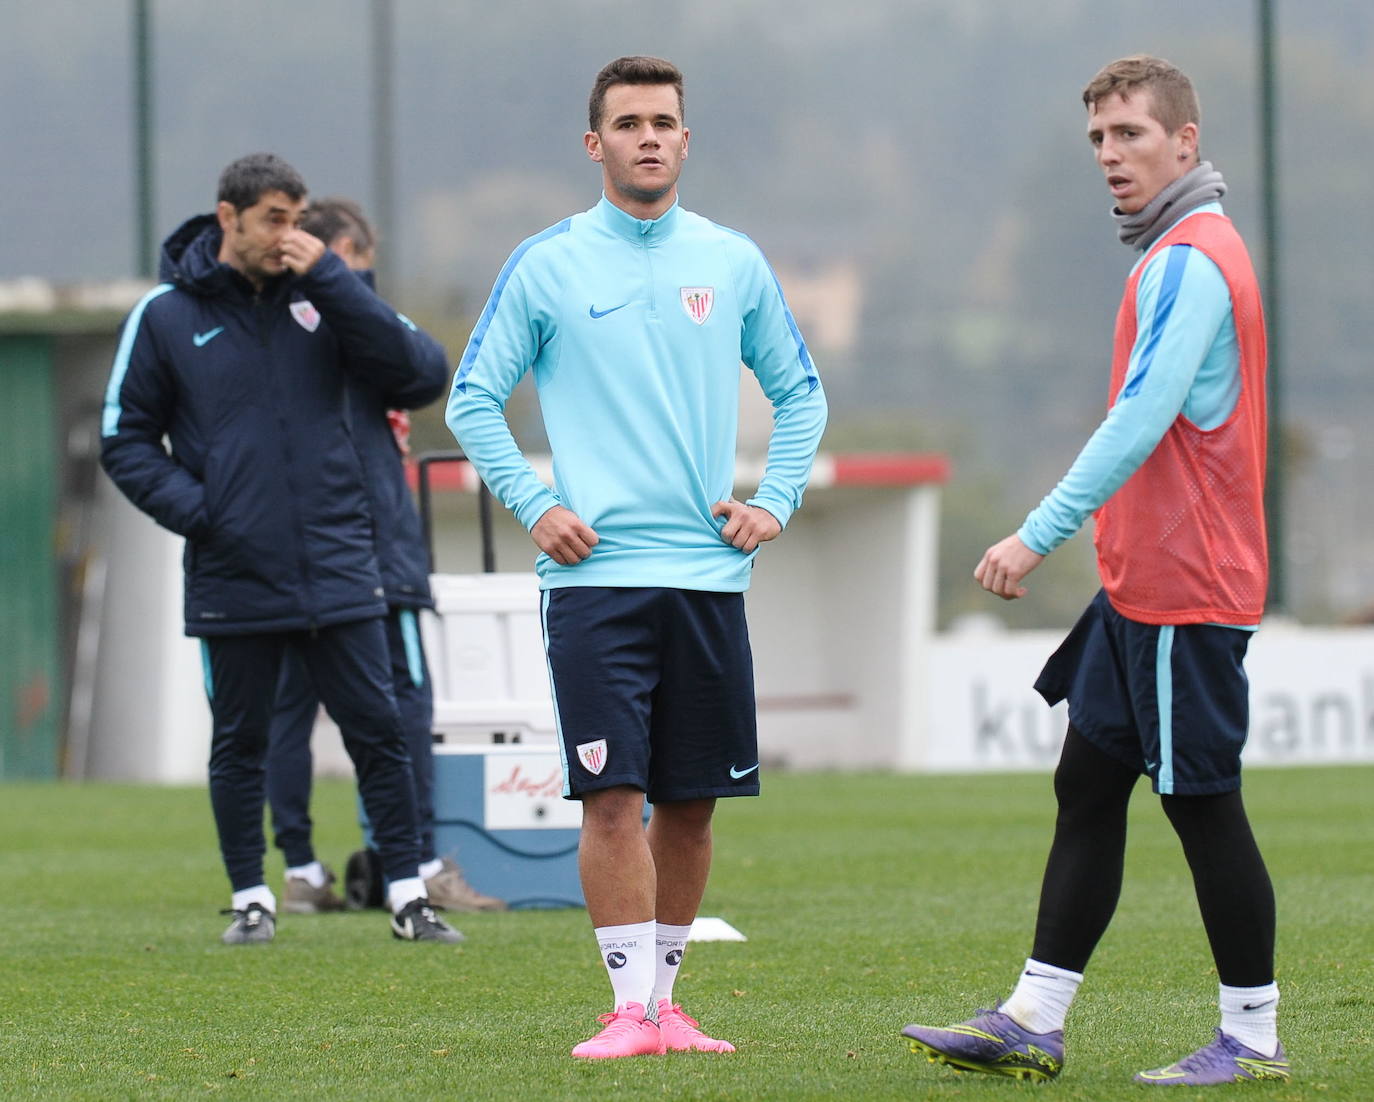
point(35, 306)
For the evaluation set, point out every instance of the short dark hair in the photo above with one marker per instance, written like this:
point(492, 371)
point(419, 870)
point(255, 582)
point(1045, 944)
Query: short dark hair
point(632, 70)
point(330, 219)
point(248, 179)
point(1173, 102)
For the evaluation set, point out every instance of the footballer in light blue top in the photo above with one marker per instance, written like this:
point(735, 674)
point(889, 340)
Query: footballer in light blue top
point(635, 330)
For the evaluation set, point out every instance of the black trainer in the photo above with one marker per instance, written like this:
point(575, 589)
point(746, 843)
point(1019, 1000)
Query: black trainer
point(253, 925)
point(416, 921)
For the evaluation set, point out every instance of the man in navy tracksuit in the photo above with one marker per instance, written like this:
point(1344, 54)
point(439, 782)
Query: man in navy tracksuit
point(403, 560)
point(241, 359)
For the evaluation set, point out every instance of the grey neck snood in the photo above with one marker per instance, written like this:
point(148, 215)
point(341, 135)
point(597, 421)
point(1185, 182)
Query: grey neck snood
point(1201, 184)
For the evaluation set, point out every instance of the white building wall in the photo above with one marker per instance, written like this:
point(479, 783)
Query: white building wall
point(150, 720)
point(849, 671)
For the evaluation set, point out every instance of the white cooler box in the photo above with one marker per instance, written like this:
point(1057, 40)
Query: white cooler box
point(498, 781)
point(500, 810)
point(486, 659)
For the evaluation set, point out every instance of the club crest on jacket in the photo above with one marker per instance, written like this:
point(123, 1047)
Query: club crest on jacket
point(306, 315)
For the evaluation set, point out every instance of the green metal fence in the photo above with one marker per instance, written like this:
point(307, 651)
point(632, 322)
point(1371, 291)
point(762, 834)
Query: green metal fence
point(31, 693)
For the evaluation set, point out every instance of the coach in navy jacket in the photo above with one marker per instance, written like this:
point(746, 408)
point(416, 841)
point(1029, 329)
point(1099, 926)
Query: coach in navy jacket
point(242, 359)
point(264, 478)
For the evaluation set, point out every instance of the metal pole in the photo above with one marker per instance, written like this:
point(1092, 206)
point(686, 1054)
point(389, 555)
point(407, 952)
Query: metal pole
point(383, 149)
point(422, 466)
point(146, 245)
point(1269, 173)
point(484, 507)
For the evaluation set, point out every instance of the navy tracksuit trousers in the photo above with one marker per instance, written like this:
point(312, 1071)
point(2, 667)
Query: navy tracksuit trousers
point(350, 667)
point(290, 765)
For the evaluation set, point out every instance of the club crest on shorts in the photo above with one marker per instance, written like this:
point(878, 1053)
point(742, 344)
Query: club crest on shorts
point(697, 301)
point(592, 755)
point(306, 315)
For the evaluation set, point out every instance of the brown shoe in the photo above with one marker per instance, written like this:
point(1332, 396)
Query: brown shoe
point(448, 888)
point(303, 898)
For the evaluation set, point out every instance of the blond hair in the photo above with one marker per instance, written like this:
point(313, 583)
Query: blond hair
point(1173, 103)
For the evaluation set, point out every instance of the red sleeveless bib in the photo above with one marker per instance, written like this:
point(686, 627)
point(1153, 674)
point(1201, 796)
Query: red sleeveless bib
point(1183, 540)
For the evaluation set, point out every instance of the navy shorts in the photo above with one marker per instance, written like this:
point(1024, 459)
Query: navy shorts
point(652, 688)
point(1170, 700)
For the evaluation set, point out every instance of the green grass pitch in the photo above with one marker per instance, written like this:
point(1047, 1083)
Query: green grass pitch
point(869, 901)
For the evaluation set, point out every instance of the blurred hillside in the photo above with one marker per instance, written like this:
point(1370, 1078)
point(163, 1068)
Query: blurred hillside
point(915, 169)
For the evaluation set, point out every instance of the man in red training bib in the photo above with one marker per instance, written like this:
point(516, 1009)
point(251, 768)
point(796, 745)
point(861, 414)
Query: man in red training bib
point(1153, 671)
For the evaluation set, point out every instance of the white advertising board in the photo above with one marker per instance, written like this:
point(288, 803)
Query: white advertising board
point(1311, 700)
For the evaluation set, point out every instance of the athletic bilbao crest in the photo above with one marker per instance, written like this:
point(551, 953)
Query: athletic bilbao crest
point(697, 301)
point(592, 755)
point(306, 315)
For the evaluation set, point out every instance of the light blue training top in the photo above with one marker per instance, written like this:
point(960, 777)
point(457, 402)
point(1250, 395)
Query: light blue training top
point(1185, 361)
point(635, 330)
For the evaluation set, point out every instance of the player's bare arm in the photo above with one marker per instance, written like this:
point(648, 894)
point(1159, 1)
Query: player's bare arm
point(561, 535)
point(746, 526)
point(1005, 565)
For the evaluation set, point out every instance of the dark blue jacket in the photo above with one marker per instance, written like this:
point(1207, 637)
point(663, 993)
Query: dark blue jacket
point(401, 551)
point(252, 392)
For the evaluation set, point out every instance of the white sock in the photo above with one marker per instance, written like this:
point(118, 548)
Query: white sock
point(1251, 1016)
point(670, 942)
point(1041, 1000)
point(401, 892)
point(259, 893)
point(628, 953)
point(431, 868)
point(313, 874)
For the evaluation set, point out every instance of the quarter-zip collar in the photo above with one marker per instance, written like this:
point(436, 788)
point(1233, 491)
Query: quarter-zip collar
point(638, 231)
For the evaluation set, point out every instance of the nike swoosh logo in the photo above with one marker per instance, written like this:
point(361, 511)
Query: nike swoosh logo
point(200, 340)
point(1256, 1006)
point(594, 312)
point(736, 774)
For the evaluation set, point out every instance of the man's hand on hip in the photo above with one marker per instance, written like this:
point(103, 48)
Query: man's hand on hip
point(562, 536)
point(746, 526)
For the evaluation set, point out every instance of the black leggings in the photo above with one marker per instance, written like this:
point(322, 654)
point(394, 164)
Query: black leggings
point(1083, 875)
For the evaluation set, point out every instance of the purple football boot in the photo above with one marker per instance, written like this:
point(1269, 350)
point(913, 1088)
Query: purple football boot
point(994, 1043)
point(1225, 1060)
